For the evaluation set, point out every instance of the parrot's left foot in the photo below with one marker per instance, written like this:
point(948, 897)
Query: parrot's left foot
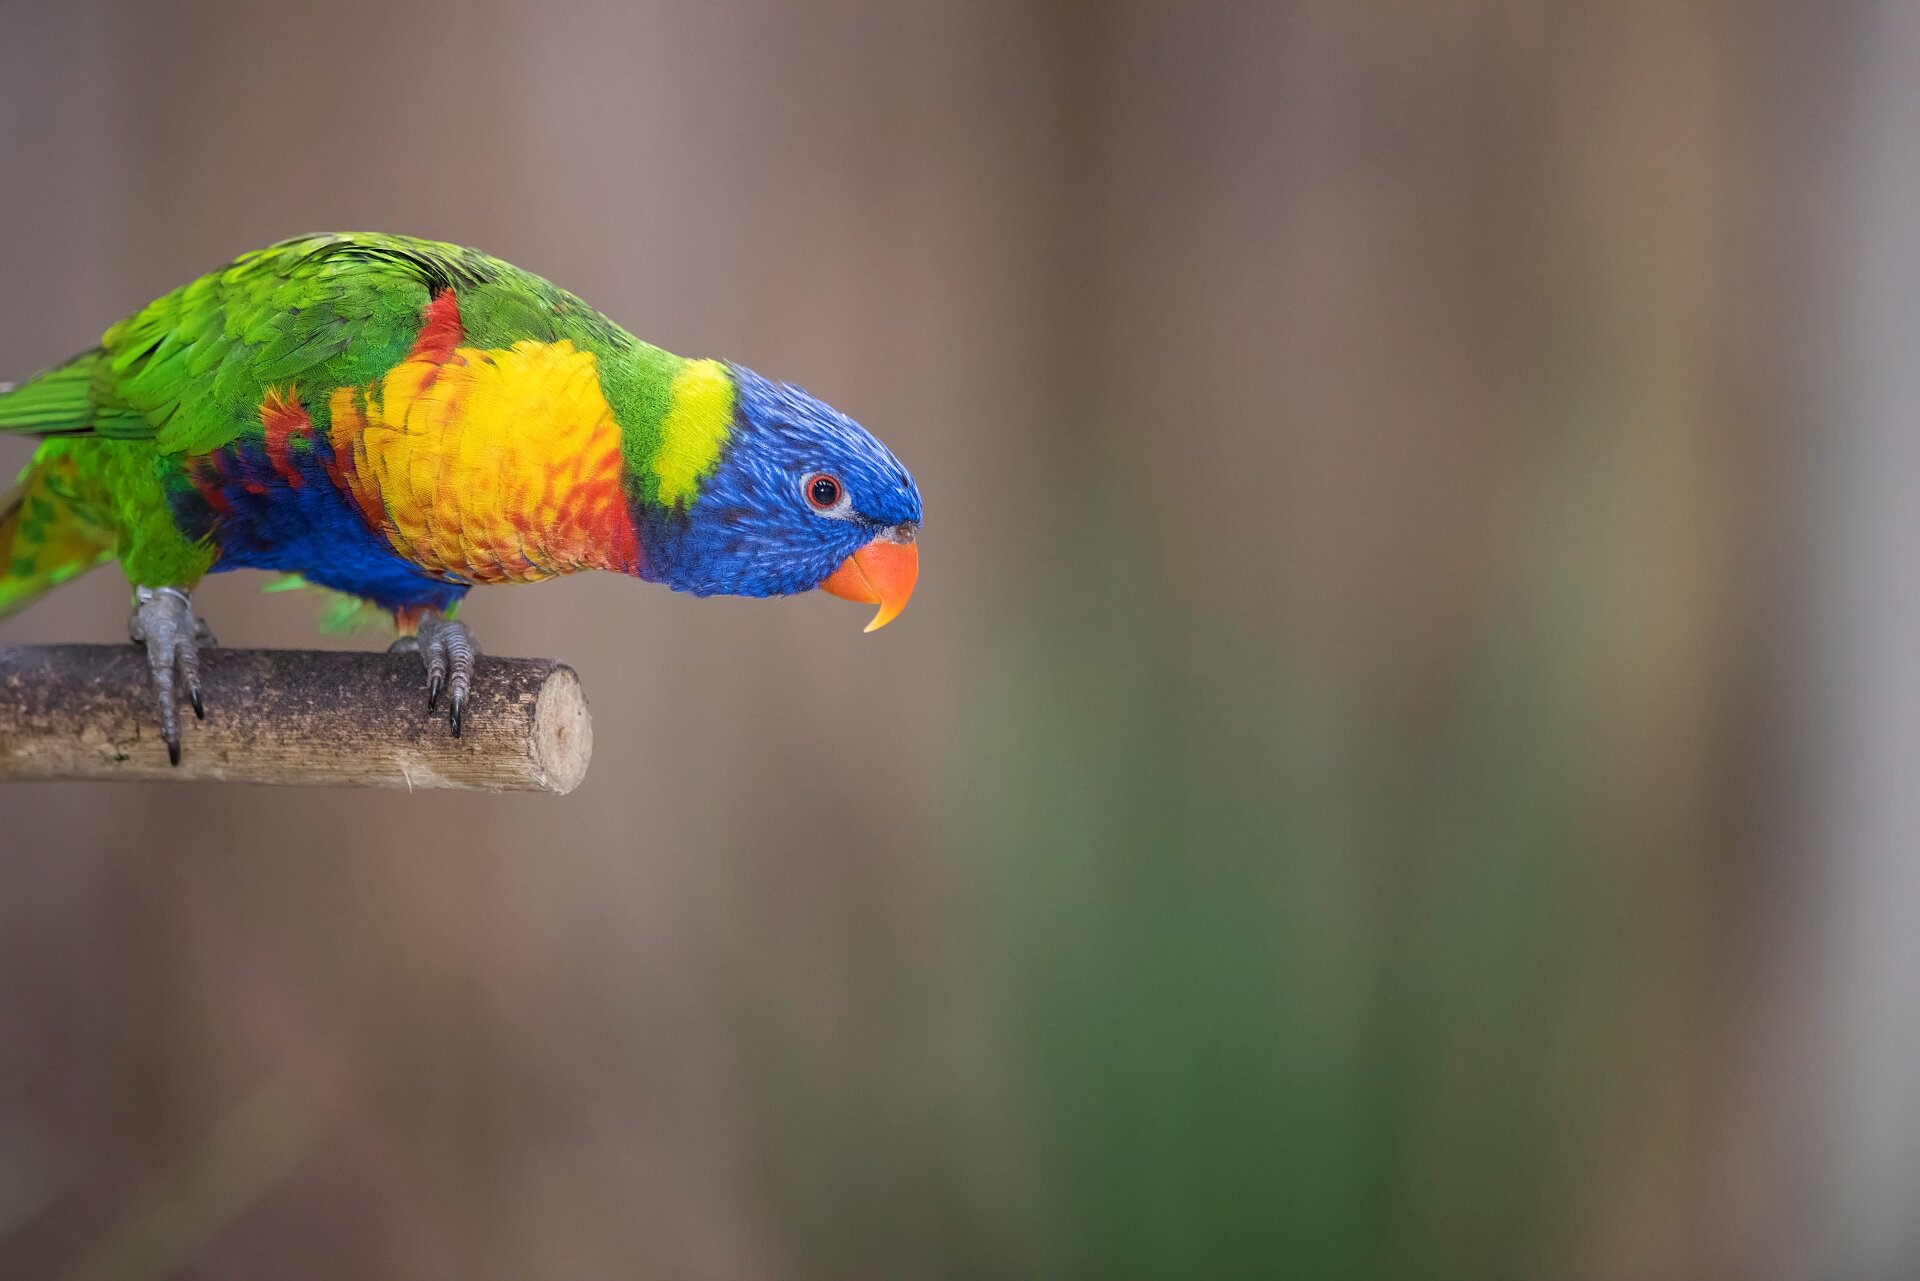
point(163, 620)
point(448, 651)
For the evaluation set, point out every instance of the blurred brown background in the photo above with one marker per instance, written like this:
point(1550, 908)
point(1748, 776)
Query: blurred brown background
point(1399, 766)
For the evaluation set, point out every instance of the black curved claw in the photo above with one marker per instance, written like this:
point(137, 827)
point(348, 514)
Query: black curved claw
point(163, 622)
point(449, 654)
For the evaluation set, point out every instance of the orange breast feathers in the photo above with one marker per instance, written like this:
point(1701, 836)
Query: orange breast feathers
point(488, 466)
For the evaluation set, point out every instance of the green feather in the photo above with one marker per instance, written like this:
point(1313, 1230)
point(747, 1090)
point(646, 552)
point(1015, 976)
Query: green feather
point(54, 402)
point(341, 613)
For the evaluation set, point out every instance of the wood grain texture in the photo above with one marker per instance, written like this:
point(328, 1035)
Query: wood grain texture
point(292, 717)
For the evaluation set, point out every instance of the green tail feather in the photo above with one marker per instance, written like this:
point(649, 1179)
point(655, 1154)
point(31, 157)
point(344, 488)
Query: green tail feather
point(51, 403)
point(340, 614)
point(63, 402)
point(43, 540)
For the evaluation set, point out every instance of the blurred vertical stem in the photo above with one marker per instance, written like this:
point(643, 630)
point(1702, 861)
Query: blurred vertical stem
point(1347, 927)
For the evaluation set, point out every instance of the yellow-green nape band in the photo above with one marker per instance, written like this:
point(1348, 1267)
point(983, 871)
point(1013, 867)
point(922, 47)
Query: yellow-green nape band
point(699, 419)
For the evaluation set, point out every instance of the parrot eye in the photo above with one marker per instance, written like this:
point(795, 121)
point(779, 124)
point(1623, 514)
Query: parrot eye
point(822, 491)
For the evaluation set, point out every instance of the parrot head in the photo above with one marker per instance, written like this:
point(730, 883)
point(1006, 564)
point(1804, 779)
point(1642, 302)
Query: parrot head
point(801, 497)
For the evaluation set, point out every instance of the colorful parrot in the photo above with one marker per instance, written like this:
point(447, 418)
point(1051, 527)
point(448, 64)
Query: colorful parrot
point(399, 420)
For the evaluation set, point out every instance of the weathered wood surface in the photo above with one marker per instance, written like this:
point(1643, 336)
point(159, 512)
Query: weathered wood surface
point(292, 717)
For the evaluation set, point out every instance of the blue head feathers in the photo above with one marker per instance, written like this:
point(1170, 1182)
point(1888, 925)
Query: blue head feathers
point(799, 488)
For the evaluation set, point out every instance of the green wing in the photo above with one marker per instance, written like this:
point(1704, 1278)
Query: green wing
point(189, 370)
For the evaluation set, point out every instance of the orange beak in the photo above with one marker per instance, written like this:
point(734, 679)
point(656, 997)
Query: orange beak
point(881, 573)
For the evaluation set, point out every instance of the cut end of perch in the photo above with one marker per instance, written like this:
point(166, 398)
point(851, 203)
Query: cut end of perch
point(562, 738)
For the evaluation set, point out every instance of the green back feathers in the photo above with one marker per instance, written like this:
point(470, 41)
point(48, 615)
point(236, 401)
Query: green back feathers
point(323, 311)
point(189, 371)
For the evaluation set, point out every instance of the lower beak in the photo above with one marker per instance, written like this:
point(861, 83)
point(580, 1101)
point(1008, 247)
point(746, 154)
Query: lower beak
point(881, 573)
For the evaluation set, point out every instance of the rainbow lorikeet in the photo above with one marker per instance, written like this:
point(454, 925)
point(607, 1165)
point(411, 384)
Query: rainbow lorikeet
point(399, 420)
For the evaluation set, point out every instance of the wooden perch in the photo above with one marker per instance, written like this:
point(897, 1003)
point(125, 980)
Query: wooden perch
point(292, 716)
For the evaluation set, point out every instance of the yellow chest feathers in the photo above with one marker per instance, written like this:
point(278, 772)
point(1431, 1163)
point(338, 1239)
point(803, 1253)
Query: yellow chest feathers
point(489, 466)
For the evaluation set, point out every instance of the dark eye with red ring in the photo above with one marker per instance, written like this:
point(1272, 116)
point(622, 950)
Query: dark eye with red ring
point(823, 491)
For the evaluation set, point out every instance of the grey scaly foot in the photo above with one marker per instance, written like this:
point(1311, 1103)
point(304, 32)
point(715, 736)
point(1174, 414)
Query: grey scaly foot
point(163, 621)
point(448, 651)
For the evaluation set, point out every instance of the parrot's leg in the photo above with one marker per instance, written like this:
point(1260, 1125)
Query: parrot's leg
point(163, 620)
point(448, 651)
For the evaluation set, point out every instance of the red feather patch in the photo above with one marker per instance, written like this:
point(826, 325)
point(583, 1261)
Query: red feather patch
point(442, 331)
point(282, 418)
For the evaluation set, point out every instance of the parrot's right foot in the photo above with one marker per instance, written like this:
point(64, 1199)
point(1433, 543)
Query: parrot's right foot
point(163, 621)
point(448, 651)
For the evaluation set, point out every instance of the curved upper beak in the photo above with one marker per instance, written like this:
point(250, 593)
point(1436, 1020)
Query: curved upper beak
point(881, 573)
